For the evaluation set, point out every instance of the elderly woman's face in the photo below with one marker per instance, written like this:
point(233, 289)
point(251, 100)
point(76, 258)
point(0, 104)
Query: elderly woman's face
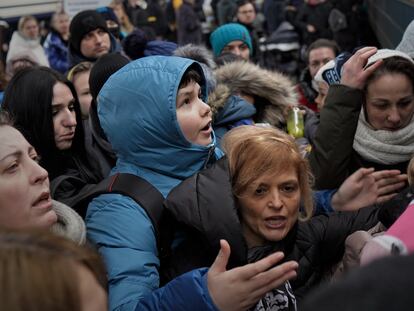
point(390, 102)
point(270, 207)
point(24, 185)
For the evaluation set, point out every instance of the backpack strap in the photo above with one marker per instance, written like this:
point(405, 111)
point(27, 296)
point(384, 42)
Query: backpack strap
point(142, 192)
point(135, 187)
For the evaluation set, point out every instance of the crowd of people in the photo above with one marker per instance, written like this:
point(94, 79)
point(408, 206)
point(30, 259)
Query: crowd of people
point(145, 168)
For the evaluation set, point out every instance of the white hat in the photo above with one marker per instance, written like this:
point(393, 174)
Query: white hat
point(387, 53)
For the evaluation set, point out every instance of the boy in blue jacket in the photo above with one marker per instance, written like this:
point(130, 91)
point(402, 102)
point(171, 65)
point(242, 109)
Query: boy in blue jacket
point(153, 114)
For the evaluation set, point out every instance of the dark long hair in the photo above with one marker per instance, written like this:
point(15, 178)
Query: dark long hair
point(28, 99)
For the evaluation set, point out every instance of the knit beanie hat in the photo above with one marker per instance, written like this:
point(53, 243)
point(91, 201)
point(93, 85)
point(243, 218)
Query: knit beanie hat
point(104, 67)
point(135, 43)
point(107, 13)
point(227, 33)
point(83, 23)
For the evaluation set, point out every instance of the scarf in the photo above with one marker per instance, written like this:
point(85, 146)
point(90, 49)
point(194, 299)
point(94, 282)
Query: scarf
point(381, 146)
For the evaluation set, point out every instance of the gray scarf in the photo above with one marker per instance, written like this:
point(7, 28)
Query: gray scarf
point(381, 146)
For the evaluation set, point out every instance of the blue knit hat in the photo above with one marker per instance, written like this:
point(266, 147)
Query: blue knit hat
point(227, 33)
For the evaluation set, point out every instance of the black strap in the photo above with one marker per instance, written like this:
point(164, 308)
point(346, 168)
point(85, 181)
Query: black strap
point(137, 188)
point(142, 192)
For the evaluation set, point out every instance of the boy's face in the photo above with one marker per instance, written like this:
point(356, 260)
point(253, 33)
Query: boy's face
point(193, 115)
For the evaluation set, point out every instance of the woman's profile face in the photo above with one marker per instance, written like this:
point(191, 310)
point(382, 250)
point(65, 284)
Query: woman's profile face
point(390, 102)
point(64, 116)
point(270, 207)
point(24, 185)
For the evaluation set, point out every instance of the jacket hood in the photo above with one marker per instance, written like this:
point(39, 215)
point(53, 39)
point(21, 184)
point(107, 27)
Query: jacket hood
point(235, 109)
point(202, 55)
point(273, 91)
point(137, 112)
point(198, 53)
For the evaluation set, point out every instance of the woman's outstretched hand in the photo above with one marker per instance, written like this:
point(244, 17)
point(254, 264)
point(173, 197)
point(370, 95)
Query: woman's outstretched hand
point(242, 287)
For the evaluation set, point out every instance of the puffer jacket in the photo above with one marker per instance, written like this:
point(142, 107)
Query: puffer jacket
point(137, 111)
point(205, 204)
point(57, 52)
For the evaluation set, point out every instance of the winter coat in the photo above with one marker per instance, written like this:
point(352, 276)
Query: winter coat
point(236, 111)
point(226, 9)
point(317, 16)
point(205, 204)
point(19, 45)
point(333, 158)
point(137, 111)
point(273, 93)
point(188, 25)
point(151, 14)
point(69, 224)
point(274, 11)
point(347, 38)
point(75, 57)
point(57, 51)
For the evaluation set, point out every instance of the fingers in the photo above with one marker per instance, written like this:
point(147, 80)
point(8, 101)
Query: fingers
point(389, 189)
point(385, 173)
point(253, 269)
point(273, 278)
point(385, 181)
point(362, 172)
point(220, 263)
point(385, 198)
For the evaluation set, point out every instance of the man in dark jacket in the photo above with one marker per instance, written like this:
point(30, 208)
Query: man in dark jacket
point(90, 38)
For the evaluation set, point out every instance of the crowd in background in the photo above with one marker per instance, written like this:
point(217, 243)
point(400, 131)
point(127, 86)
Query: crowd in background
point(162, 156)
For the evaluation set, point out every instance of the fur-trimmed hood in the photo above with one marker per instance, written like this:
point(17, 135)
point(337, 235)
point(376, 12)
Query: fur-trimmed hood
point(202, 55)
point(273, 91)
point(198, 53)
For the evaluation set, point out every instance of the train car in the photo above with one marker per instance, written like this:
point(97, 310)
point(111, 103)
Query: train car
point(389, 18)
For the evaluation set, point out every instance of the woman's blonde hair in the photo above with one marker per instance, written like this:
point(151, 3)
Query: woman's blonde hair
point(77, 69)
point(254, 151)
point(39, 271)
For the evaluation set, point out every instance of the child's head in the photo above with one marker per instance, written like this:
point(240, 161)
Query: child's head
point(79, 76)
point(152, 114)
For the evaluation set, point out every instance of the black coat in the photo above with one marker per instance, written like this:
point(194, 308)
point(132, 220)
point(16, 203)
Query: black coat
point(204, 206)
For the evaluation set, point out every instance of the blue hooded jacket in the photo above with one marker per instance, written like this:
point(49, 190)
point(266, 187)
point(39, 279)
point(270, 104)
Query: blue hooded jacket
point(137, 111)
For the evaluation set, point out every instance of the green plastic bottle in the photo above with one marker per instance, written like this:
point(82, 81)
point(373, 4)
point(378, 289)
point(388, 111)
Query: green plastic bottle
point(295, 124)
